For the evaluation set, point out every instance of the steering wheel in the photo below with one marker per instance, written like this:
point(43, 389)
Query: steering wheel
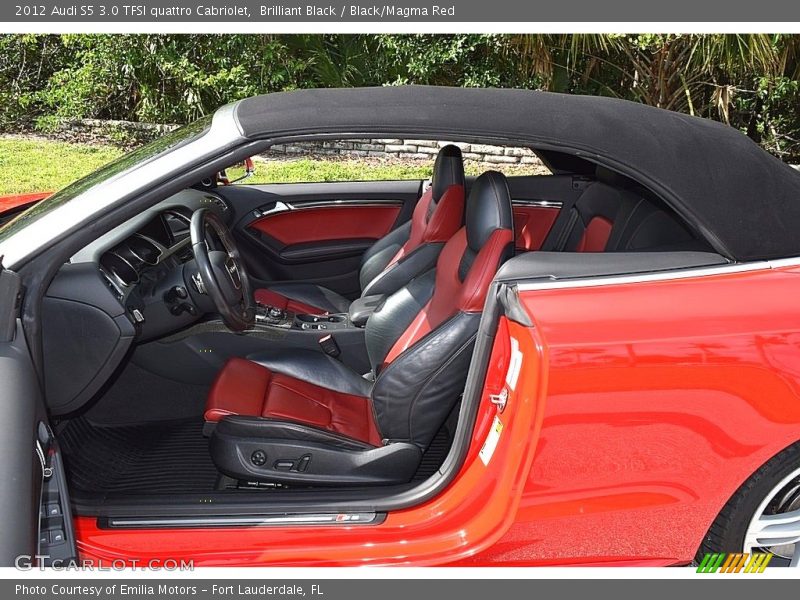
point(222, 271)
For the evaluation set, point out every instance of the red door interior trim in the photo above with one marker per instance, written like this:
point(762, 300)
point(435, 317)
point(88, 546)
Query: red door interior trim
point(321, 224)
point(532, 223)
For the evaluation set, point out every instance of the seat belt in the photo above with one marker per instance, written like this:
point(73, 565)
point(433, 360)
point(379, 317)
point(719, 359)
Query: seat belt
point(329, 346)
point(559, 233)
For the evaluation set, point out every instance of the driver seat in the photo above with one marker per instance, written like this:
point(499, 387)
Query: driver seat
point(302, 417)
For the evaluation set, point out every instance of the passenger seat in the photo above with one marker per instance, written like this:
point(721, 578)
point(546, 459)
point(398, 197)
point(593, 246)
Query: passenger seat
point(397, 258)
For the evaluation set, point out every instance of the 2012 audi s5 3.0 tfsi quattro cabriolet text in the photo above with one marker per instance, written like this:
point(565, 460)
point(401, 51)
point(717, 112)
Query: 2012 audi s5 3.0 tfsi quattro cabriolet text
point(596, 365)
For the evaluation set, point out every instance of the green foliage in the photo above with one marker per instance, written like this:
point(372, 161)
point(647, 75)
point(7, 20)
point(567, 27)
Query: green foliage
point(26, 64)
point(469, 60)
point(746, 80)
point(170, 79)
point(749, 81)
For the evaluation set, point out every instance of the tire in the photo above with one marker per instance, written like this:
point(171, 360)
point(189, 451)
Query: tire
point(727, 532)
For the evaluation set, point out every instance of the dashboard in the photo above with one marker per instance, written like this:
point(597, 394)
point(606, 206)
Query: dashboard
point(134, 283)
point(134, 258)
point(164, 240)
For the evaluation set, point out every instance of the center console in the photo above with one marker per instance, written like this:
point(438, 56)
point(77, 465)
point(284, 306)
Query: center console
point(334, 334)
point(272, 316)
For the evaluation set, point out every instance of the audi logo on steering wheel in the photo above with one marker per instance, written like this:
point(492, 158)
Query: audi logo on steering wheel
point(233, 272)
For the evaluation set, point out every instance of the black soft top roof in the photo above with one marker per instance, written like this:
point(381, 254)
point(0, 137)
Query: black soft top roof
point(745, 201)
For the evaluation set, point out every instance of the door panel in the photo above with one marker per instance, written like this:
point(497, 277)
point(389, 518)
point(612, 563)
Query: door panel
point(340, 222)
point(537, 202)
point(316, 232)
point(20, 469)
point(532, 223)
point(30, 470)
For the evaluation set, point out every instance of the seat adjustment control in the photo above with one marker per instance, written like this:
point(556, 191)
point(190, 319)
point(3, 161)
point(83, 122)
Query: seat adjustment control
point(258, 458)
point(289, 464)
point(303, 464)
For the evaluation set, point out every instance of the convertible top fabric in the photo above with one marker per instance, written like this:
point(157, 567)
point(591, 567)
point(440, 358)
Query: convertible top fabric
point(742, 199)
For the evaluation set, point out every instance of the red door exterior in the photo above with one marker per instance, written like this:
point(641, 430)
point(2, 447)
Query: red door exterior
point(663, 398)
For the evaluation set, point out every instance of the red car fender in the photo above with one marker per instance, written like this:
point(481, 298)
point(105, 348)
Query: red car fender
point(17, 200)
point(663, 398)
point(468, 517)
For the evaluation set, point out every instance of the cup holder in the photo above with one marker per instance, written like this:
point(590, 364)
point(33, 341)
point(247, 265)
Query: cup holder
point(321, 318)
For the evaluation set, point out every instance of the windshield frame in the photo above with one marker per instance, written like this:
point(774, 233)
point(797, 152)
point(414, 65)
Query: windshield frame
point(77, 204)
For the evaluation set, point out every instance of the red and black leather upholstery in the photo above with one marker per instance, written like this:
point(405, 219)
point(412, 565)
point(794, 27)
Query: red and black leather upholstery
point(594, 216)
point(304, 417)
point(611, 216)
point(398, 257)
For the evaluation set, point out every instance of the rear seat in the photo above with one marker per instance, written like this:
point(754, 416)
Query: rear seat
point(610, 218)
point(595, 216)
point(650, 228)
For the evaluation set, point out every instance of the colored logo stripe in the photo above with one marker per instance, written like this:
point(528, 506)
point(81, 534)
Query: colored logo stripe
point(734, 562)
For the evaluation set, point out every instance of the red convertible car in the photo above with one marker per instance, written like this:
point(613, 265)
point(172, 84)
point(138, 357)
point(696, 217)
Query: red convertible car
point(596, 366)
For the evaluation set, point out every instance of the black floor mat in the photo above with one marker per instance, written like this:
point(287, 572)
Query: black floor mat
point(434, 456)
point(137, 391)
point(166, 457)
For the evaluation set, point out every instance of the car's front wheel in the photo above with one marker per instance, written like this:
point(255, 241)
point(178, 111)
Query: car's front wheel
point(763, 515)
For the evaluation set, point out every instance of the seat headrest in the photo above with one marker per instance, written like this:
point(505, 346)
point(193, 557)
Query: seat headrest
point(488, 208)
point(447, 170)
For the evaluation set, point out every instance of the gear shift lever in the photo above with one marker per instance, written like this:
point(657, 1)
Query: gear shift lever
point(270, 314)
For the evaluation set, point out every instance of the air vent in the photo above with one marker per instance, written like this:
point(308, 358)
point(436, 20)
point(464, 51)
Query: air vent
point(178, 225)
point(112, 286)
